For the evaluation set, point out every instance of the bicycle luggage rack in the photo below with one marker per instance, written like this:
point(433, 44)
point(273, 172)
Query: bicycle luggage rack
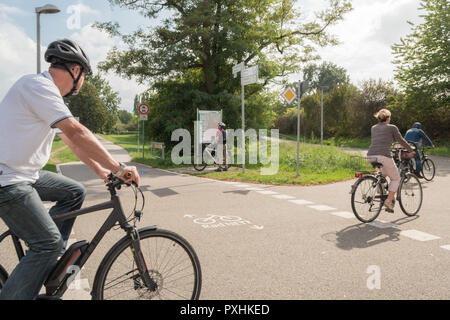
point(157, 145)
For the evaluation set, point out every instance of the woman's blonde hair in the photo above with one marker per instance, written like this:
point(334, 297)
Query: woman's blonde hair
point(382, 115)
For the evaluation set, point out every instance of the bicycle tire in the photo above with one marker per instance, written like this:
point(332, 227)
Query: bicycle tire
point(367, 198)
point(3, 277)
point(406, 193)
point(200, 167)
point(428, 169)
point(156, 271)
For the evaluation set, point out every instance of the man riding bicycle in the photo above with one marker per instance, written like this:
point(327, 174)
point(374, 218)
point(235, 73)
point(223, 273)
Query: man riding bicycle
point(416, 134)
point(31, 113)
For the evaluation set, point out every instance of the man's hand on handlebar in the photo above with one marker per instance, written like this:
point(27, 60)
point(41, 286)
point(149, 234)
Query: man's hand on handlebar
point(130, 174)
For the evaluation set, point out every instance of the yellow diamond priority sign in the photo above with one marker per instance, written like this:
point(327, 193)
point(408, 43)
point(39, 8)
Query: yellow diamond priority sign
point(289, 95)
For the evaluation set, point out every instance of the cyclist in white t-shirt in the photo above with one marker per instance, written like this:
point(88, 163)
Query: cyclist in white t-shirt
point(30, 114)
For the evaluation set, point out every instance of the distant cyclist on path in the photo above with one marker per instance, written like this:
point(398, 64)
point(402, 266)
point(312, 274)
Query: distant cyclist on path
point(31, 112)
point(416, 134)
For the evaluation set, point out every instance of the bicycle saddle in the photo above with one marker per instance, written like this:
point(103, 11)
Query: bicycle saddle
point(376, 164)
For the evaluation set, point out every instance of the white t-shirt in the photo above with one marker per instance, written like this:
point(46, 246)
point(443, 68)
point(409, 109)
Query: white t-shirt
point(28, 113)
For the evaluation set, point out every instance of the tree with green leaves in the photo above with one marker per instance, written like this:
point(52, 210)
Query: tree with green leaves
point(109, 97)
point(188, 58)
point(209, 36)
point(325, 76)
point(422, 61)
point(89, 107)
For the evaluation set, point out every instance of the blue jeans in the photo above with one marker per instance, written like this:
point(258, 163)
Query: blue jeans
point(22, 211)
point(418, 162)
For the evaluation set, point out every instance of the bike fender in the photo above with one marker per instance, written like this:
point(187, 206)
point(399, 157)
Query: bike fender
point(4, 235)
point(148, 228)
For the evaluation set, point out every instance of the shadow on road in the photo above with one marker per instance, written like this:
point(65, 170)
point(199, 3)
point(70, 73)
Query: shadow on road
point(362, 235)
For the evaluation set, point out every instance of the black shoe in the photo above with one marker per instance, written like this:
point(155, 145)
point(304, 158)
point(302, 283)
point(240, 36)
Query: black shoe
point(225, 169)
point(219, 169)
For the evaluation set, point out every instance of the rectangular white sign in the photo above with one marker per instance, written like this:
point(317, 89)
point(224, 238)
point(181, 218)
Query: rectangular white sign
point(144, 117)
point(252, 71)
point(249, 80)
point(237, 68)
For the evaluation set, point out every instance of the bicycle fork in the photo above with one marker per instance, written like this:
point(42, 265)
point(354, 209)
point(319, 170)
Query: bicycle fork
point(140, 261)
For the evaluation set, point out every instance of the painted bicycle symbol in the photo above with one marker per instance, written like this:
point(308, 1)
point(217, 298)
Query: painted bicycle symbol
point(212, 218)
point(218, 221)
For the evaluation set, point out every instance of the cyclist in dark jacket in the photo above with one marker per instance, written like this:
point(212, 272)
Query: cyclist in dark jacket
point(416, 134)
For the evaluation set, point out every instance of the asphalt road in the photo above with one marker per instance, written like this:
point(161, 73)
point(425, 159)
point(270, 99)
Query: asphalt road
point(288, 242)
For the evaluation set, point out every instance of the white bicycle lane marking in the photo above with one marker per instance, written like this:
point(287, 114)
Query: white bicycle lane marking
point(412, 234)
point(212, 221)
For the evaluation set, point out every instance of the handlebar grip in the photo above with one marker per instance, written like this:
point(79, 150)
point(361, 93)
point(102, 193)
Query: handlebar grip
point(129, 175)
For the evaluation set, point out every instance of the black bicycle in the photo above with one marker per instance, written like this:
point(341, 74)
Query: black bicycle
point(209, 158)
point(428, 167)
point(371, 190)
point(147, 263)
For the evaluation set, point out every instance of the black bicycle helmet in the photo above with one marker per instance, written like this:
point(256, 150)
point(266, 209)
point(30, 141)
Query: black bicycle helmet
point(222, 125)
point(65, 50)
point(417, 125)
point(61, 52)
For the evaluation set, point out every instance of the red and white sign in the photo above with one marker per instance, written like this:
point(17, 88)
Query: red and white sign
point(143, 109)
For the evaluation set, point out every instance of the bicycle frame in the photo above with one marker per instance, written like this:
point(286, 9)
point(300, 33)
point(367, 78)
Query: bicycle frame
point(116, 215)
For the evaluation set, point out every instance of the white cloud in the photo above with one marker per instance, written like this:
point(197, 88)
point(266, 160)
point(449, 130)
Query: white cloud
point(97, 44)
point(17, 55)
point(367, 34)
point(6, 11)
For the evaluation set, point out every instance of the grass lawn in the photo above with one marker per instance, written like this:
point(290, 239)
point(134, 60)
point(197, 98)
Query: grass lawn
point(318, 164)
point(61, 153)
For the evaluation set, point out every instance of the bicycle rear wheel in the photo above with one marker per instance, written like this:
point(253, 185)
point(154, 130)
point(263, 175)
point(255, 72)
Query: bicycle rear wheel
point(367, 199)
point(3, 277)
point(200, 167)
point(428, 169)
point(172, 264)
point(410, 194)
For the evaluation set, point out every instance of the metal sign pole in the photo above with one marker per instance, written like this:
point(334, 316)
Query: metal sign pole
point(243, 121)
point(299, 95)
point(143, 142)
point(321, 119)
point(138, 137)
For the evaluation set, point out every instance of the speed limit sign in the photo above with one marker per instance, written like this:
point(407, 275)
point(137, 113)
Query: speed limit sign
point(143, 109)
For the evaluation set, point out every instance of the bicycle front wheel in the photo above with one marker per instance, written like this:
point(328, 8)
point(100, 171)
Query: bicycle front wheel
point(367, 199)
point(410, 194)
point(172, 264)
point(428, 169)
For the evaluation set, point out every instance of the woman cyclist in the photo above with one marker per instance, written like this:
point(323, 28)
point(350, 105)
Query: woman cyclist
point(382, 136)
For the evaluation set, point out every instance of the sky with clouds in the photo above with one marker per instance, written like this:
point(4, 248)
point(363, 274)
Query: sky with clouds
point(366, 36)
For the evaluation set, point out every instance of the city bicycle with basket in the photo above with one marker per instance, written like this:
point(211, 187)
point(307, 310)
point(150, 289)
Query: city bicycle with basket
point(147, 263)
point(370, 191)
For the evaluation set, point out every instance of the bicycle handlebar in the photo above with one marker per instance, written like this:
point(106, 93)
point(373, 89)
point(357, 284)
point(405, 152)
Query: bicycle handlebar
point(116, 182)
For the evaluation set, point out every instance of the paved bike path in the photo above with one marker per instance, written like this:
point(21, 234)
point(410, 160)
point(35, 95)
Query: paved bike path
point(290, 242)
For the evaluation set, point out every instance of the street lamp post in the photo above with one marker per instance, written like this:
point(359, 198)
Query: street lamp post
point(47, 9)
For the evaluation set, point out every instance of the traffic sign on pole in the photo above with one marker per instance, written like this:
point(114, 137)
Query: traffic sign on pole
point(289, 95)
point(143, 109)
